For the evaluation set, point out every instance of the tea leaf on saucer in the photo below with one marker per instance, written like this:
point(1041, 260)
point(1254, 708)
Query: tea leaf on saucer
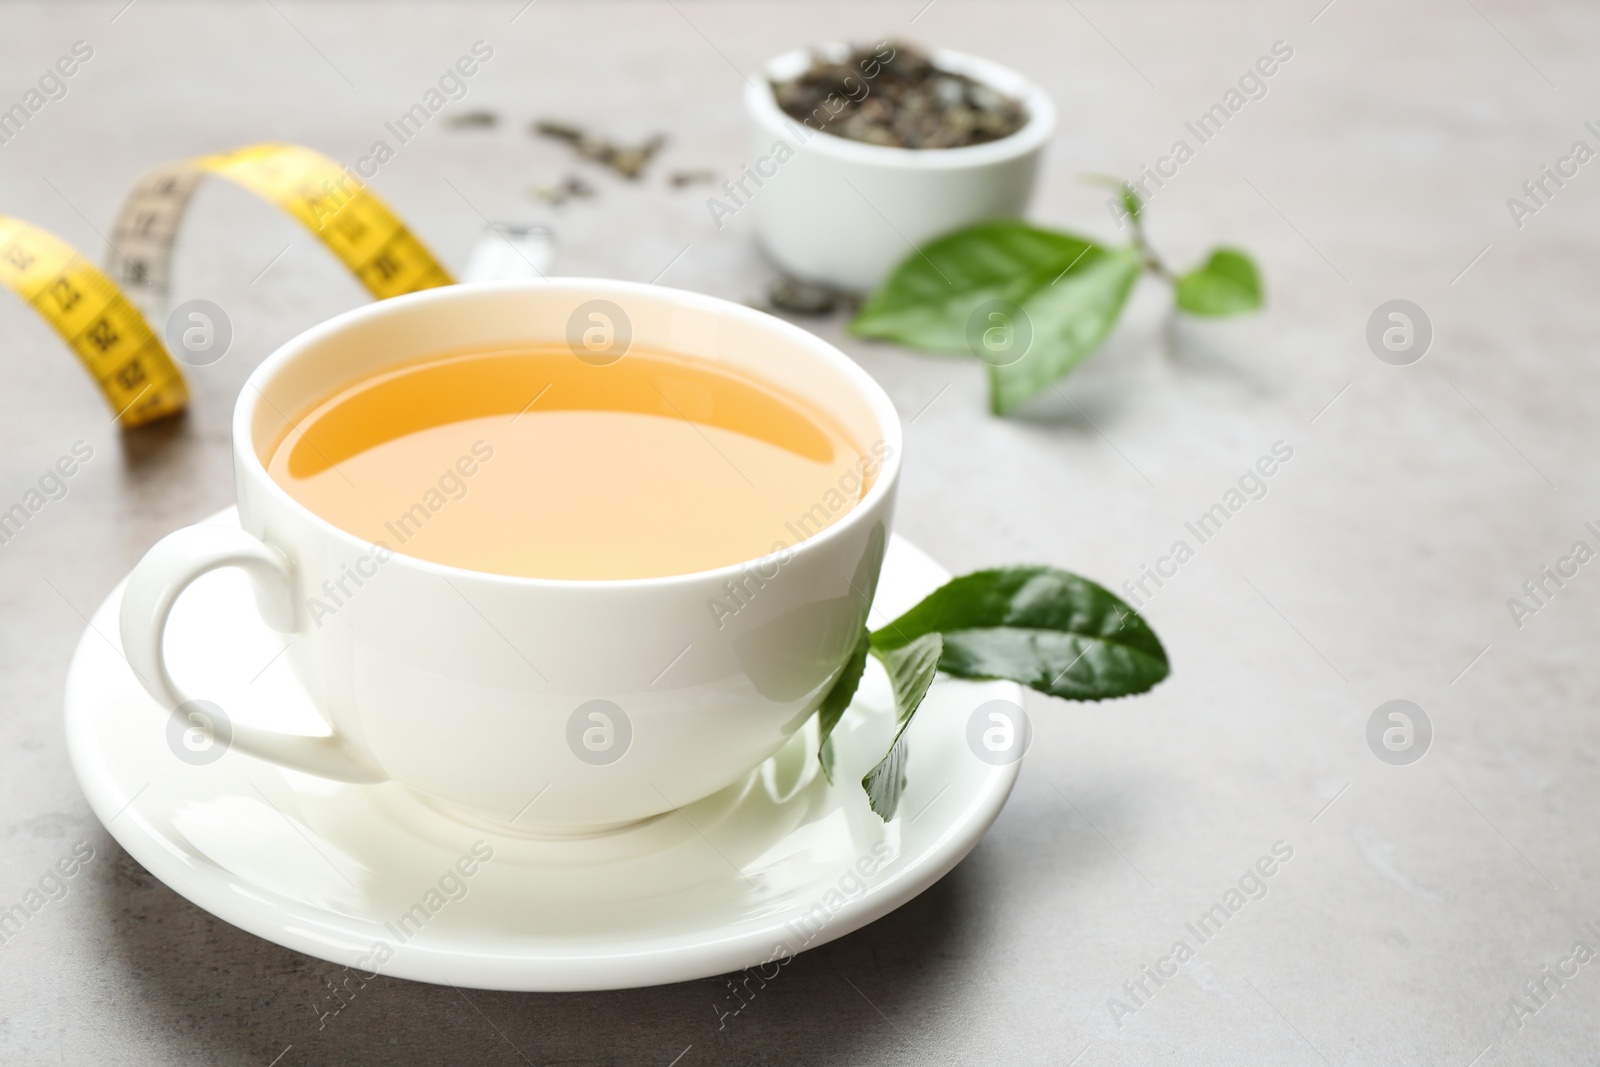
point(1226, 284)
point(1060, 293)
point(838, 699)
point(911, 669)
point(1045, 628)
point(1048, 629)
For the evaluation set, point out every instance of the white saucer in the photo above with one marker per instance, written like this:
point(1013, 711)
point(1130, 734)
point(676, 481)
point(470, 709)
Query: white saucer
point(747, 877)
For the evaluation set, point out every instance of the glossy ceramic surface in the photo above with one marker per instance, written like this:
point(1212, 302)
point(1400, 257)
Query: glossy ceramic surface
point(477, 688)
point(843, 213)
point(373, 877)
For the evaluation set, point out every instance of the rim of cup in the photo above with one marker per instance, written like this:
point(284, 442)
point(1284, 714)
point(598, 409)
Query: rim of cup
point(763, 107)
point(882, 408)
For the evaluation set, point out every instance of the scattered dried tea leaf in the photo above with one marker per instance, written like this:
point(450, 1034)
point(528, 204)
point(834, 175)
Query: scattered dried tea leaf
point(804, 298)
point(568, 188)
point(680, 178)
point(630, 162)
point(627, 160)
point(894, 95)
point(474, 120)
point(559, 130)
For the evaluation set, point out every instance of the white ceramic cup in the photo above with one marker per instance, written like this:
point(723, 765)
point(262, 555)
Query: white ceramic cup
point(843, 213)
point(544, 705)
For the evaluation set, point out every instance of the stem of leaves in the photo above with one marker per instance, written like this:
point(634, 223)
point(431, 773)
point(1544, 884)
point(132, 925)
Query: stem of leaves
point(1148, 255)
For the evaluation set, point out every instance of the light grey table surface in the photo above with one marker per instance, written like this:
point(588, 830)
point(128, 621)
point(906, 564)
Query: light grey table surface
point(1419, 899)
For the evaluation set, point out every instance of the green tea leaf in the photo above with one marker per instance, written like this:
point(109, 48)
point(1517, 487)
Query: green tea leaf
point(911, 670)
point(1057, 297)
point(1130, 199)
point(1045, 628)
point(1226, 284)
point(1070, 318)
point(932, 293)
point(838, 699)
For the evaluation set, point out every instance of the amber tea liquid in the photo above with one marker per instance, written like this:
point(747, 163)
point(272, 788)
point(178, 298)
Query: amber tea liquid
point(532, 462)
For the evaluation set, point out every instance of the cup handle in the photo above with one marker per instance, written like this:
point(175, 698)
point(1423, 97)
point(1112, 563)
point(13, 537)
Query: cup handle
point(166, 571)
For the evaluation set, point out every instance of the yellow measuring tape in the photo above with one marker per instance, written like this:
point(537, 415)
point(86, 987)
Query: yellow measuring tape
point(103, 322)
point(108, 333)
point(328, 199)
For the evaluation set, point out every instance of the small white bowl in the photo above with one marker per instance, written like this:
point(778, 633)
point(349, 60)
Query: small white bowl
point(843, 213)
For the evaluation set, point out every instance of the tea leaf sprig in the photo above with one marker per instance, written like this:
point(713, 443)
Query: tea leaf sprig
point(1048, 629)
point(1033, 303)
